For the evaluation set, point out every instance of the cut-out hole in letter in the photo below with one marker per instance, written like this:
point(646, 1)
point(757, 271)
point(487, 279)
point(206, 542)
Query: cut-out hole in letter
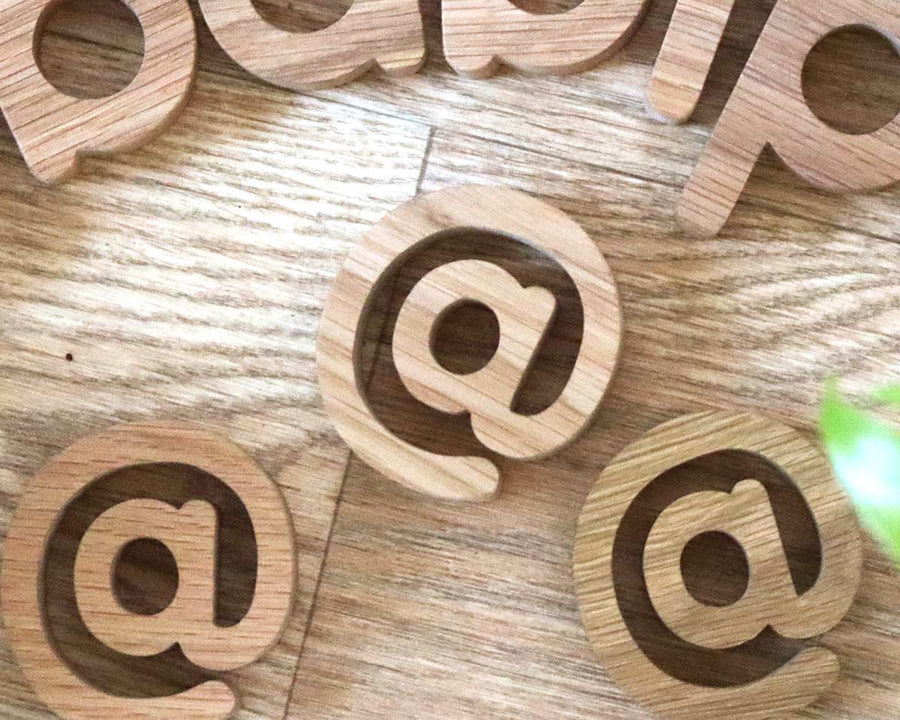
point(90, 48)
point(303, 16)
point(850, 80)
point(145, 577)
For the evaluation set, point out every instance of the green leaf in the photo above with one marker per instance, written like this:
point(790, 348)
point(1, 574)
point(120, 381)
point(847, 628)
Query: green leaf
point(865, 453)
point(889, 395)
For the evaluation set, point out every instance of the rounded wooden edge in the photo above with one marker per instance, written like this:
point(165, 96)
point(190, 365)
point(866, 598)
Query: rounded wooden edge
point(409, 228)
point(319, 59)
point(547, 53)
point(685, 58)
point(48, 143)
point(760, 113)
point(797, 683)
point(41, 505)
point(493, 387)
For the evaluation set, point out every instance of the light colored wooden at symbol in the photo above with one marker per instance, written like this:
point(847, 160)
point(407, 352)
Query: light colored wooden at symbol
point(411, 227)
point(686, 57)
point(44, 501)
point(767, 107)
point(482, 35)
point(747, 515)
point(383, 33)
point(523, 315)
point(770, 598)
point(52, 128)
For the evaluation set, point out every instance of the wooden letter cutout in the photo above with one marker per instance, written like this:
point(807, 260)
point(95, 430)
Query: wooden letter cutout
point(386, 33)
point(767, 107)
point(745, 514)
point(524, 316)
point(482, 35)
point(770, 598)
point(411, 227)
point(188, 532)
point(686, 57)
point(53, 129)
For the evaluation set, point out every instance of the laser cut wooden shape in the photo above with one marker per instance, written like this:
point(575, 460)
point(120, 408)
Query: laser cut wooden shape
point(53, 129)
point(410, 227)
point(189, 532)
point(45, 500)
point(809, 673)
point(383, 33)
point(686, 56)
point(482, 35)
point(524, 316)
point(770, 599)
point(767, 107)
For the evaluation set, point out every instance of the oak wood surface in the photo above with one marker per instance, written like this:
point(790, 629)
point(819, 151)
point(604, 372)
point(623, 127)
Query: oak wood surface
point(487, 396)
point(370, 34)
point(190, 531)
point(686, 57)
point(482, 37)
point(186, 280)
point(744, 513)
point(769, 108)
point(53, 128)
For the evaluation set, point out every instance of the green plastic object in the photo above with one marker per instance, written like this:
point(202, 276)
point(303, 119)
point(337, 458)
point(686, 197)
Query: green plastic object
point(865, 453)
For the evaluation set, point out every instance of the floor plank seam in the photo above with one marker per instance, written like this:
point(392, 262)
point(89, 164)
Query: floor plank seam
point(425, 158)
point(313, 602)
point(385, 322)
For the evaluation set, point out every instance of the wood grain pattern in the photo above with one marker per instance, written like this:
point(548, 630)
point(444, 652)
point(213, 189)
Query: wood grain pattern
point(686, 57)
point(190, 533)
point(410, 229)
point(744, 513)
point(386, 34)
point(188, 278)
point(442, 595)
point(768, 108)
point(198, 301)
point(481, 36)
point(771, 598)
point(523, 316)
point(53, 129)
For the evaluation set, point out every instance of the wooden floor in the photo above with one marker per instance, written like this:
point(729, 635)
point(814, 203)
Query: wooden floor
point(187, 279)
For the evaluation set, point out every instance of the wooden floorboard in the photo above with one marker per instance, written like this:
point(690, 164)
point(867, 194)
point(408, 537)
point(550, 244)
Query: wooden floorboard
point(187, 279)
point(462, 612)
